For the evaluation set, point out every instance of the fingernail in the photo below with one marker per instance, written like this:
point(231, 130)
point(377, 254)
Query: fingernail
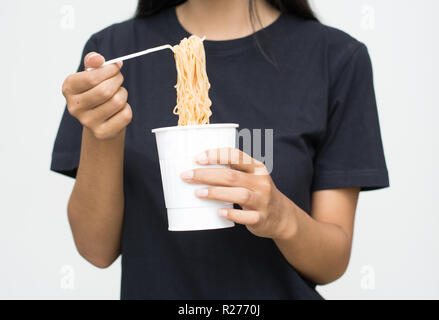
point(187, 175)
point(91, 56)
point(120, 64)
point(202, 193)
point(202, 158)
point(223, 212)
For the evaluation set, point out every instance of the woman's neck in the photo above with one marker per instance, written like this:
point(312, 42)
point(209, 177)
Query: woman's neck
point(224, 19)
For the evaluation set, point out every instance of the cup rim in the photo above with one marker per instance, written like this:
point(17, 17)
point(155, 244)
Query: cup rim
point(198, 126)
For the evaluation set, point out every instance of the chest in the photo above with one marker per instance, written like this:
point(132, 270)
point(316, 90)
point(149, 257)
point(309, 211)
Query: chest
point(281, 113)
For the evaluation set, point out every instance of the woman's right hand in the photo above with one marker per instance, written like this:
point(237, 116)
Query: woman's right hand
point(97, 99)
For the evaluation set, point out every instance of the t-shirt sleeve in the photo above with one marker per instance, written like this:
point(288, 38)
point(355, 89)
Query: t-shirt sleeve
point(351, 152)
point(67, 147)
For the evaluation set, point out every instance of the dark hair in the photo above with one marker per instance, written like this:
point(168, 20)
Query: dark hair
point(300, 8)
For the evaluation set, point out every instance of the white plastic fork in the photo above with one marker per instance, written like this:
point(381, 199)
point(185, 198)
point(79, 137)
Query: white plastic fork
point(134, 55)
point(138, 54)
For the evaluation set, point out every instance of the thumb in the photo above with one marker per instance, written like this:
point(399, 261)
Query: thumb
point(93, 60)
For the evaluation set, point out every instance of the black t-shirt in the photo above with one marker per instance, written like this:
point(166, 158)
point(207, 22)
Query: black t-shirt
point(315, 90)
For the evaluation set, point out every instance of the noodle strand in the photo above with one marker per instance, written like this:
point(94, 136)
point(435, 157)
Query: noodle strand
point(193, 103)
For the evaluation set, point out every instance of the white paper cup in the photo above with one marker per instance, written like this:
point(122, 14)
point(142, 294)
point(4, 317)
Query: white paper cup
point(177, 147)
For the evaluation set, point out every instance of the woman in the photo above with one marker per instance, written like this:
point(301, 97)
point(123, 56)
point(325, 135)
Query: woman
point(272, 65)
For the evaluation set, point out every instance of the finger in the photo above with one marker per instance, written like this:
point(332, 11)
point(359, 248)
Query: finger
point(93, 60)
point(99, 94)
point(242, 196)
point(115, 124)
point(83, 81)
point(102, 113)
point(247, 217)
point(233, 157)
point(217, 177)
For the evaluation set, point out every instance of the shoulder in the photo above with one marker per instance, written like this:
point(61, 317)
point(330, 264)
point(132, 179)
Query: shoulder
point(341, 48)
point(115, 31)
point(135, 27)
point(326, 36)
point(126, 36)
point(335, 48)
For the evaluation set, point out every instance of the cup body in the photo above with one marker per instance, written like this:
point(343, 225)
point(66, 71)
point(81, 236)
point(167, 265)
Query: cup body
point(177, 147)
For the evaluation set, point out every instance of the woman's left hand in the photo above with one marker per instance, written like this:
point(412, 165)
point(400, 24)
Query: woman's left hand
point(266, 211)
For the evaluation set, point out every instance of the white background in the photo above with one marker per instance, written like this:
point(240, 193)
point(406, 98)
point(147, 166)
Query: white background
point(396, 244)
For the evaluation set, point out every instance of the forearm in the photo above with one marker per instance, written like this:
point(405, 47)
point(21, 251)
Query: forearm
point(97, 202)
point(318, 247)
point(319, 251)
